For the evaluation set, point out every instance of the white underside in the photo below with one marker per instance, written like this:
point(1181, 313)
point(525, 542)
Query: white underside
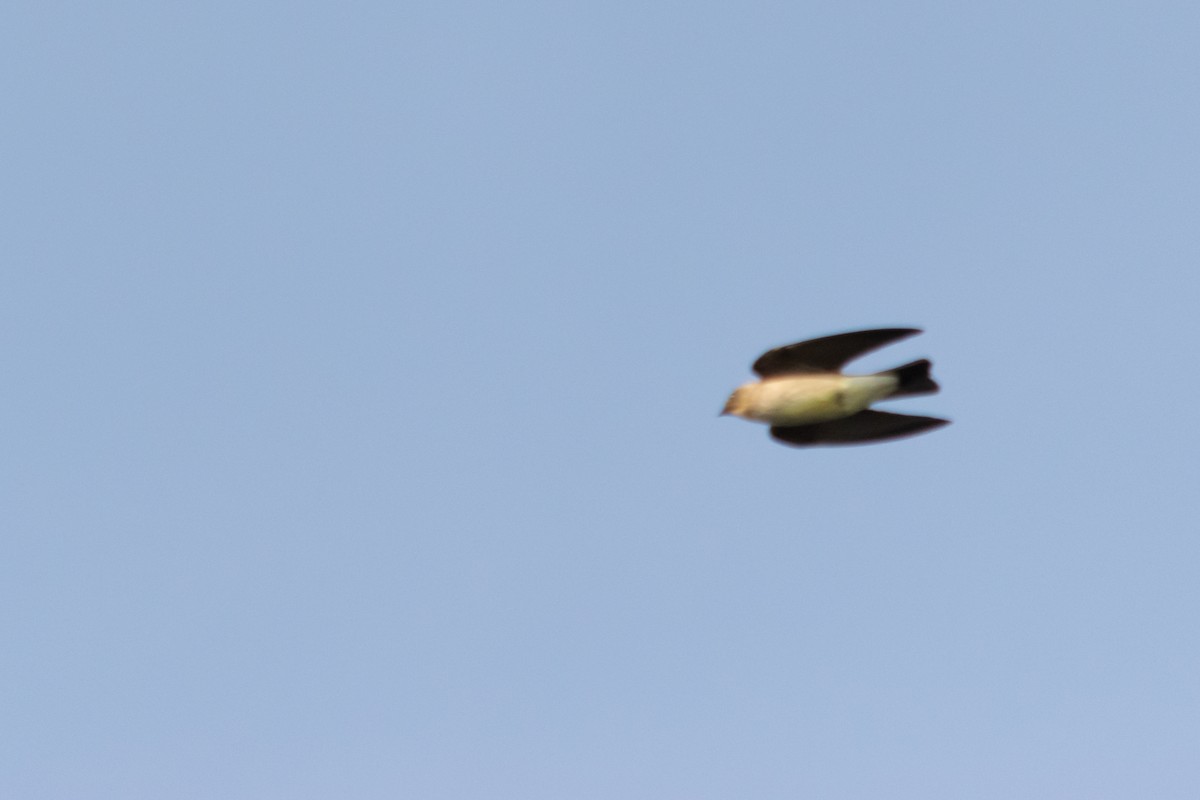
point(806, 399)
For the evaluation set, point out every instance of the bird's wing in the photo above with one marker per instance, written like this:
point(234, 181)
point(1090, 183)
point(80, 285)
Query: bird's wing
point(861, 428)
point(828, 353)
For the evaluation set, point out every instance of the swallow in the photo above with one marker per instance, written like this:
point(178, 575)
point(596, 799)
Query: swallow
point(807, 400)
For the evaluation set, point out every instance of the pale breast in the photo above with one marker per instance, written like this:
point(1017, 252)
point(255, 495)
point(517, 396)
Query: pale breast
point(806, 399)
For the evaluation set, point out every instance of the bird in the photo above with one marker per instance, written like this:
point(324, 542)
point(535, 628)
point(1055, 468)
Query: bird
point(807, 400)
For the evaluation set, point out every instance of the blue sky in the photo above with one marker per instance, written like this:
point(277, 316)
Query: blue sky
point(362, 366)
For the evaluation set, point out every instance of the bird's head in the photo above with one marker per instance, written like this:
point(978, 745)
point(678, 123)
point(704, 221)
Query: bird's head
point(740, 402)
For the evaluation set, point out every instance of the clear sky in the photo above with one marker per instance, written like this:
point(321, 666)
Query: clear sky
point(360, 373)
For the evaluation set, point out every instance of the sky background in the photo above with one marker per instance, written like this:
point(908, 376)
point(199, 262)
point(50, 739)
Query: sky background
point(360, 372)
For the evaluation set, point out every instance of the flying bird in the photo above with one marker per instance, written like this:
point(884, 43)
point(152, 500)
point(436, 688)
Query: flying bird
point(807, 401)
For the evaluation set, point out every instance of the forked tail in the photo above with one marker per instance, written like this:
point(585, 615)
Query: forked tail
point(913, 379)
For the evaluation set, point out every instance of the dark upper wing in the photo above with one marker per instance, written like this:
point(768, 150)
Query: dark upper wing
point(828, 353)
point(861, 428)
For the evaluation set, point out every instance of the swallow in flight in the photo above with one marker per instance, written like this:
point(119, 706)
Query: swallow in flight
point(807, 401)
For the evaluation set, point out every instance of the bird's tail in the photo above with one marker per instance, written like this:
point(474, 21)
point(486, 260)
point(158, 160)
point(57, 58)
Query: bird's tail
point(913, 379)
